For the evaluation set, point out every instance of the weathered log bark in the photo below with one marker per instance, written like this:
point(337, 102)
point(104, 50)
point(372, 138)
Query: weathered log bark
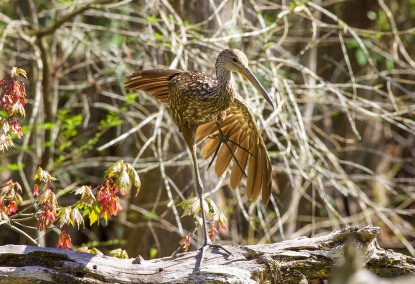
point(293, 261)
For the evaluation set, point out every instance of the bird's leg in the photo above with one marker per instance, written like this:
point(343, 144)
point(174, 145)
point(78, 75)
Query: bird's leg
point(199, 186)
point(200, 190)
point(189, 138)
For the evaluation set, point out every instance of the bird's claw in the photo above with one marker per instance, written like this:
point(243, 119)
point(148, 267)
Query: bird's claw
point(202, 250)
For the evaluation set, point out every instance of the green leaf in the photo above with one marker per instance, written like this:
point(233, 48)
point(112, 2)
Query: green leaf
point(342, 24)
point(213, 209)
point(95, 251)
point(152, 19)
point(130, 98)
point(4, 217)
point(15, 167)
point(153, 252)
point(3, 114)
point(112, 119)
point(120, 253)
point(352, 43)
point(123, 180)
point(134, 177)
point(114, 169)
point(159, 36)
point(92, 213)
point(389, 64)
point(70, 124)
point(361, 57)
point(190, 206)
point(150, 215)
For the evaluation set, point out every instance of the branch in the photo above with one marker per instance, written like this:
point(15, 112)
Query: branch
point(285, 262)
point(65, 18)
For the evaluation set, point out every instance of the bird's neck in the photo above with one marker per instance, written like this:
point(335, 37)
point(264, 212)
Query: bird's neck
point(226, 84)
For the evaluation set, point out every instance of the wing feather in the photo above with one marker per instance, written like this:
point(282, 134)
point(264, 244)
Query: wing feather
point(252, 170)
point(224, 158)
point(210, 146)
point(240, 127)
point(205, 130)
point(242, 156)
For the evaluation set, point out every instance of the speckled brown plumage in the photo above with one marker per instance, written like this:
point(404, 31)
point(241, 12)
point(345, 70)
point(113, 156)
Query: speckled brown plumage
point(197, 101)
point(199, 104)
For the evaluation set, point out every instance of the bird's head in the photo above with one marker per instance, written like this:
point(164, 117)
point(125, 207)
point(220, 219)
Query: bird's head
point(234, 60)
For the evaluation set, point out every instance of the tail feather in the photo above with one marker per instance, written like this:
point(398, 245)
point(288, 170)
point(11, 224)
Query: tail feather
point(154, 82)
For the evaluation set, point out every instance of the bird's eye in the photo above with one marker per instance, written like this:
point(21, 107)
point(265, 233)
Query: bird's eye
point(234, 59)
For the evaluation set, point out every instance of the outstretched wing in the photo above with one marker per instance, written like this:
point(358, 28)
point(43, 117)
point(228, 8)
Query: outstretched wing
point(247, 146)
point(154, 82)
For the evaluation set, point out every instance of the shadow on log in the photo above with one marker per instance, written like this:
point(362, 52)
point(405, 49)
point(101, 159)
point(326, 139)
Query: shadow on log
point(293, 261)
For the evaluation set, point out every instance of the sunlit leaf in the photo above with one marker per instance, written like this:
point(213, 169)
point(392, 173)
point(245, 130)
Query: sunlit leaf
point(43, 176)
point(152, 19)
point(18, 198)
point(134, 177)
point(4, 217)
point(123, 180)
point(114, 169)
point(64, 215)
point(190, 206)
point(82, 189)
point(211, 207)
point(95, 251)
point(15, 167)
point(120, 253)
point(185, 241)
point(153, 252)
point(76, 218)
point(92, 213)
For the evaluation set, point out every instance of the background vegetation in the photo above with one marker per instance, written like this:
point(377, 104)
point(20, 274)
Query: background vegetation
point(341, 138)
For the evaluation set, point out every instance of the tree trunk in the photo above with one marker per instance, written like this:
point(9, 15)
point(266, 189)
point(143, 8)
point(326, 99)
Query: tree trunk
point(293, 261)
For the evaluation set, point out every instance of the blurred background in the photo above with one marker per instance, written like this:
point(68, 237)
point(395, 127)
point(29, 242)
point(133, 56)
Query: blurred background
point(341, 138)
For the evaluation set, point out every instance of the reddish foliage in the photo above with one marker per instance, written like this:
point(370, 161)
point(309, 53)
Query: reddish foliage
point(36, 190)
point(108, 198)
point(9, 197)
point(222, 221)
point(12, 101)
point(14, 124)
point(185, 241)
point(48, 203)
point(47, 217)
point(13, 96)
point(12, 208)
point(64, 240)
point(212, 232)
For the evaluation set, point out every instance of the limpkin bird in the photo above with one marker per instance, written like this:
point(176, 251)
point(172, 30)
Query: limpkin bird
point(207, 106)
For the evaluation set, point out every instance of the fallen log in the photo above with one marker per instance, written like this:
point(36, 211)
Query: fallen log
point(292, 261)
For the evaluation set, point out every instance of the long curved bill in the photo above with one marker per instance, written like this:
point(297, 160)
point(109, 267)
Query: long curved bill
point(251, 77)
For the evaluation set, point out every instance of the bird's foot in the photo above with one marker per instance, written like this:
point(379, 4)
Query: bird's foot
point(201, 255)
